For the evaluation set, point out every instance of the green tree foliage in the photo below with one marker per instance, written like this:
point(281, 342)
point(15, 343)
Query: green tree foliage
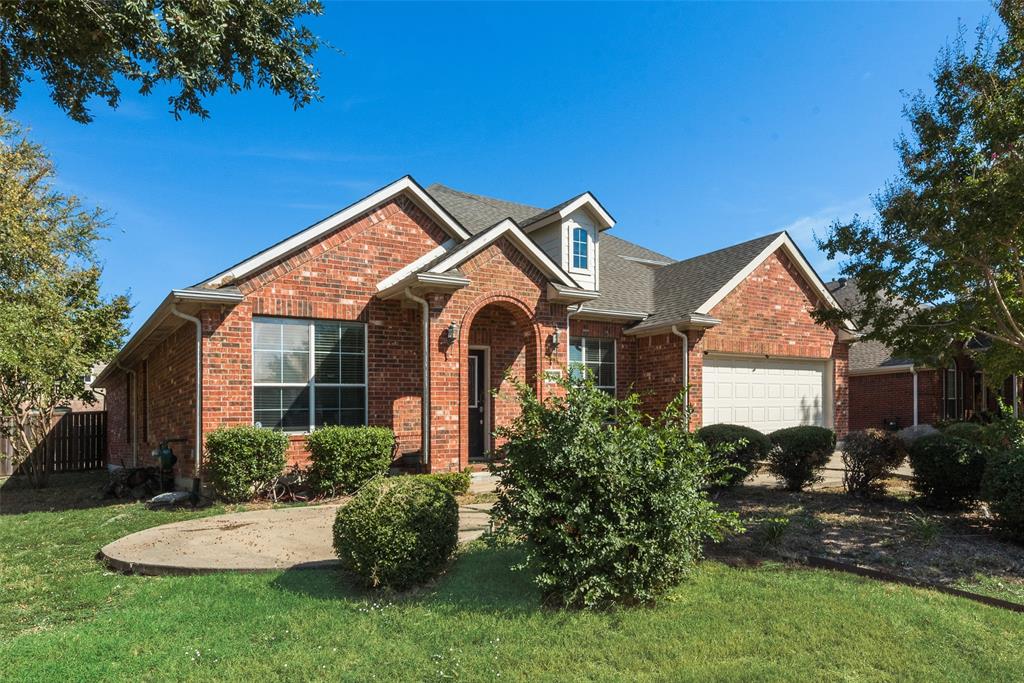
point(612, 511)
point(54, 323)
point(90, 48)
point(943, 261)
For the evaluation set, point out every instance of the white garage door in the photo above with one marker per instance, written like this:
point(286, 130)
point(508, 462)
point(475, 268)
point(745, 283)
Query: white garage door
point(766, 394)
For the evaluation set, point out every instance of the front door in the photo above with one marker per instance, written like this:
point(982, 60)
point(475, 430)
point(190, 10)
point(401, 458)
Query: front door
point(477, 403)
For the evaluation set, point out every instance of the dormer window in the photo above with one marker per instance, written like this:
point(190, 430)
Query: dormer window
point(580, 245)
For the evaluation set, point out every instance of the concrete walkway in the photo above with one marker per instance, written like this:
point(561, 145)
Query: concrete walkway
point(262, 540)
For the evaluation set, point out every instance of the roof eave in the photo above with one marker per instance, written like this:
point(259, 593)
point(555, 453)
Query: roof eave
point(692, 321)
point(883, 370)
point(424, 282)
point(610, 315)
point(569, 295)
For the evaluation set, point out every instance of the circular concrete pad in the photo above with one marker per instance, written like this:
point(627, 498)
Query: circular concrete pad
point(262, 540)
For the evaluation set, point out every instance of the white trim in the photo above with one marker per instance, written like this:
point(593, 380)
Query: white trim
point(584, 200)
point(297, 241)
point(782, 241)
point(648, 261)
point(487, 396)
point(509, 228)
point(609, 314)
point(400, 275)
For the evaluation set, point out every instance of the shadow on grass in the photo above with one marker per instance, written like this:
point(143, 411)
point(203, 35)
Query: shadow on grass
point(479, 578)
point(67, 491)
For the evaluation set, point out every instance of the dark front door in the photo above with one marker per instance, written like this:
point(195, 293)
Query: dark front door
point(477, 402)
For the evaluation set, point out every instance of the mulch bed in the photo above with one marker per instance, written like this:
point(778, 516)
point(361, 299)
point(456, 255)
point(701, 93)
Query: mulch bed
point(893, 535)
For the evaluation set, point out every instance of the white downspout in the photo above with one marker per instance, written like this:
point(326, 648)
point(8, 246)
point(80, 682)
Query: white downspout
point(686, 360)
point(425, 401)
point(914, 372)
point(199, 383)
point(135, 418)
point(568, 335)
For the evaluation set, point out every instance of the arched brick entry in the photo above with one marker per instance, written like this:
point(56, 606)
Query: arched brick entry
point(505, 328)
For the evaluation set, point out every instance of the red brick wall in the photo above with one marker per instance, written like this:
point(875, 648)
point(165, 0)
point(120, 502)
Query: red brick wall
point(874, 398)
point(333, 279)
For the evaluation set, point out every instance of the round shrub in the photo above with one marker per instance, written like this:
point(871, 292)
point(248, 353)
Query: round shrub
point(798, 454)
point(243, 461)
point(742, 448)
point(397, 532)
point(611, 513)
point(870, 456)
point(947, 470)
point(457, 483)
point(968, 431)
point(909, 435)
point(1002, 487)
point(341, 459)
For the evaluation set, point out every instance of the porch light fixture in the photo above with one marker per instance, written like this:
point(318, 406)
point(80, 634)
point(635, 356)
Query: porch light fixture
point(452, 334)
point(556, 338)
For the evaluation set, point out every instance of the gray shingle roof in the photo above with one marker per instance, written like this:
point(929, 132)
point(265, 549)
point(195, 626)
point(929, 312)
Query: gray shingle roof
point(667, 289)
point(868, 354)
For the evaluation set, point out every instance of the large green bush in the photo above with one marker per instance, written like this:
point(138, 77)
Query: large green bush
point(799, 454)
point(969, 431)
point(742, 448)
point(1002, 487)
point(397, 532)
point(612, 512)
point(456, 482)
point(341, 459)
point(870, 456)
point(947, 470)
point(243, 461)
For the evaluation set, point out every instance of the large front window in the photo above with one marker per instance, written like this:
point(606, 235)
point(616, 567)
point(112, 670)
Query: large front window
point(308, 373)
point(594, 356)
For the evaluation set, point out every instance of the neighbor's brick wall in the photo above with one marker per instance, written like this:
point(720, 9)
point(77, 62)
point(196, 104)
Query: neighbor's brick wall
point(333, 279)
point(874, 398)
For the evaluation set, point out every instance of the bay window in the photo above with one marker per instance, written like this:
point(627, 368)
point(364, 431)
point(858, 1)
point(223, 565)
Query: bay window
point(308, 373)
point(595, 356)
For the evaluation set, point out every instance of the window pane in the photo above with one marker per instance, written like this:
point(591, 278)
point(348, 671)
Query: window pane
point(295, 406)
point(267, 366)
point(326, 337)
point(327, 403)
point(353, 398)
point(593, 351)
point(575, 349)
point(267, 398)
point(606, 377)
point(295, 336)
point(295, 367)
point(327, 371)
point(266, 335)
point(353, 418)
point(607, 351)
point(352, 369)
point(351, 338)
point(267, 418)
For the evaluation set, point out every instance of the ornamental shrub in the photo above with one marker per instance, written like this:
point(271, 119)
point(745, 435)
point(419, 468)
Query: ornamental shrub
point(969, 431)
point(870, 456)
point(741, 448)
point(947, 470)
point(457, 483)
point(397, 532)
point(242, 462)
point(799, 454)
point(344, 458)
point(611, 511)
point(1002, 487)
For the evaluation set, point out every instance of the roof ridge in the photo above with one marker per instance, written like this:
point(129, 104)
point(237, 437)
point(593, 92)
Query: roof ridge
point(745, 243)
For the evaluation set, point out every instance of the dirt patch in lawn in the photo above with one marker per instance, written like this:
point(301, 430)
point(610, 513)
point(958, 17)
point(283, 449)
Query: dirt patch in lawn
point(891, 534)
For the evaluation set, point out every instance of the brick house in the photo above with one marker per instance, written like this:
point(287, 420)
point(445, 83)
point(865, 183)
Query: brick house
point(407, 309)
point(887, 390)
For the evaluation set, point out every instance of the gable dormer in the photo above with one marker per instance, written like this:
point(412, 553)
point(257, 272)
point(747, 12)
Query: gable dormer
point(570, 234)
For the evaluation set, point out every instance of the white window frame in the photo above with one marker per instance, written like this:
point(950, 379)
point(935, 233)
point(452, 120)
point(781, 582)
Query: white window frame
point(311, 374)
point(573, 228)
point(615, 361)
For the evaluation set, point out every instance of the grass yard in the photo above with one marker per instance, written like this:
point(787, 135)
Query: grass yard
point(63, 617)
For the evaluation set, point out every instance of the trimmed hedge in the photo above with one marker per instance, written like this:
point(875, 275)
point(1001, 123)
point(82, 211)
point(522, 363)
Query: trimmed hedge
point(869, 456)
point(1002, 487)
point(799, 453)
point(457, 483)
point(397, 532)
point(243, 461)
point(968, 431)
point(344, 458)
point(740, 447)
point(947, 470)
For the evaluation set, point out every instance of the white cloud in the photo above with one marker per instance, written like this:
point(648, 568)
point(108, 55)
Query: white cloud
point(805, 229)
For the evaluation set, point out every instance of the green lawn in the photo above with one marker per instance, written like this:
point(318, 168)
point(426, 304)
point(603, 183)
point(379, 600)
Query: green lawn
point(64, 618)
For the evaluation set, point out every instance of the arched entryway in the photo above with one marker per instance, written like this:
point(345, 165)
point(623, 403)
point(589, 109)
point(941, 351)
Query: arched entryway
point(502, 341)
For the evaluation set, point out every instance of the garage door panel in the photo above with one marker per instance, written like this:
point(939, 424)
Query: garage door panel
point(766, 394)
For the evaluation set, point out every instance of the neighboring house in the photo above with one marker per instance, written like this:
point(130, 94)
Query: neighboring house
point(413, 293)
point(889, 391)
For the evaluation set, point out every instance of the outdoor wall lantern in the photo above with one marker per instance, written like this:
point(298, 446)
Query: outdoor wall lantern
point(452, 335)
point(556, 338)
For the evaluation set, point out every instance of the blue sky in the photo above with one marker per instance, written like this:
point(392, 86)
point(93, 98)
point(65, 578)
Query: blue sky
point(697, 126)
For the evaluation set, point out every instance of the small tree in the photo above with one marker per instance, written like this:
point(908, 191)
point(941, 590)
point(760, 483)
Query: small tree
point(54, 323)
point(90, 49)
point(944, 260)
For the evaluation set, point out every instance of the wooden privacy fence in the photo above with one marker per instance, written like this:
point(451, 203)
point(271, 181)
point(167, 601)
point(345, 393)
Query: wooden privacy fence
point(78, 441)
